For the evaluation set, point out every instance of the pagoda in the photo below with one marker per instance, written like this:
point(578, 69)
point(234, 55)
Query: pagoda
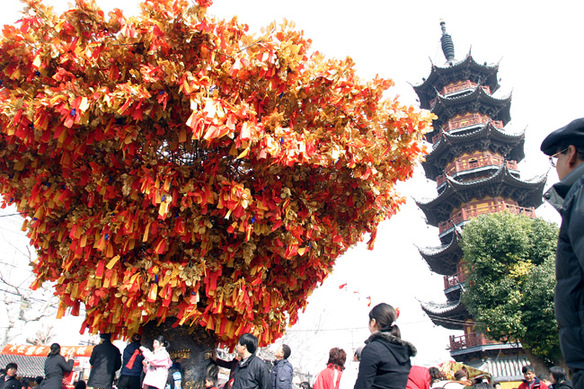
point(473, 161)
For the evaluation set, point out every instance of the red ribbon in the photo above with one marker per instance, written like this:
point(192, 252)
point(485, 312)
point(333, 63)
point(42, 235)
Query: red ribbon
point(130, 363)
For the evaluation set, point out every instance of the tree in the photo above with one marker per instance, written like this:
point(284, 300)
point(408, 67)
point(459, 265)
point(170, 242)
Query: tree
point(24, 310)
point(174, 166)
point(510, 290)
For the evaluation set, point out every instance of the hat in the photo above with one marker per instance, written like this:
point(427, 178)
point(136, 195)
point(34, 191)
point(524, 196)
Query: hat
point(105, 336)
point(572, 134)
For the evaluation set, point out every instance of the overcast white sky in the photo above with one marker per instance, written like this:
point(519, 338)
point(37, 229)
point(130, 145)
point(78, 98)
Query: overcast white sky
point(538, 47)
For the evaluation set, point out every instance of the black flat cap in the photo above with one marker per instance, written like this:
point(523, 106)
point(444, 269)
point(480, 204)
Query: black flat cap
point(572, 134)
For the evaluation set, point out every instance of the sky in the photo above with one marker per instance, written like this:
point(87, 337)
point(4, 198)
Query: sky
point(536, 45)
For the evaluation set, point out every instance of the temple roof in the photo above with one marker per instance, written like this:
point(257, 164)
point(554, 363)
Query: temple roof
point(487, 137)
point(501, 184)
point(451, 314)
point(443, 259)
point(28, 366)
point(454, 71)
point(502, 368)
point(477, 101)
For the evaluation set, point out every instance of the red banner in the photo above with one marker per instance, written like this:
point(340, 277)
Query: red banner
point(43, 351)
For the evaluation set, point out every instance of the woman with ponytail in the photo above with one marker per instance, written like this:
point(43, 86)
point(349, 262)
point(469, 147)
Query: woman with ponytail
point(55, 367)
point(156, 364)
point(385, 360)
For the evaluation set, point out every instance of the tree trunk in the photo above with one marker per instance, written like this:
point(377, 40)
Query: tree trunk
point(191, 346)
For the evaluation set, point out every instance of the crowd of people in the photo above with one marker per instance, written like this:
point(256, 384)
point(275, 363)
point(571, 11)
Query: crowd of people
point(384, 362)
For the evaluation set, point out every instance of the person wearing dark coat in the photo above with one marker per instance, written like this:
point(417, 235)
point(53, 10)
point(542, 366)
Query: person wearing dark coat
point(131, 365)
point(9, 380)
point(56, 367)
point(252, 373)
point(232, 365)
point(282, 372)
point(385, 360)
point(559, 378)
point(105, 360)
point(565, 147)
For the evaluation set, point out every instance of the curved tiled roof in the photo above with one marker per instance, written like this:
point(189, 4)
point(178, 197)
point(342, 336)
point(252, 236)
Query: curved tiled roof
point(462, 70)
point(451, 314)
point(485, 137)
point(504, 368)
point(443, 259)
point(478, 100)
point(500, 184)
point(28, 366)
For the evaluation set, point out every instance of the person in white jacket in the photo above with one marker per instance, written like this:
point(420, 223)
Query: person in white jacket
point(156, 364)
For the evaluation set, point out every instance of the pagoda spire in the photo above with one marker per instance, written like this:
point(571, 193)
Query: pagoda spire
point(446, 41)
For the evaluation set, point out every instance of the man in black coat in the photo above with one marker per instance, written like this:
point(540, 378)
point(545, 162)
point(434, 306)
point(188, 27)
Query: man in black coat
point(105, 360)
point(253, 373)
point(565, 147)
point(9, 380)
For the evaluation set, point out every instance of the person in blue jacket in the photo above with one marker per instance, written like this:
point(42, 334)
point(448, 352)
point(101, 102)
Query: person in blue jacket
point(132, 368)
point(282, 371)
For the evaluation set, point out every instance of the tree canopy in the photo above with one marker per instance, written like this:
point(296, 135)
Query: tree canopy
point(173, 165)
point(511, 280)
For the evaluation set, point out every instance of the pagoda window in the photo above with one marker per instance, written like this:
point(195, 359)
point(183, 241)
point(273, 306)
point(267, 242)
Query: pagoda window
point(473, 163)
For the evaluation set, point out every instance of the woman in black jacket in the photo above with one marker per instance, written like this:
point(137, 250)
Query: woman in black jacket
point(385, 360)
point(55, 367)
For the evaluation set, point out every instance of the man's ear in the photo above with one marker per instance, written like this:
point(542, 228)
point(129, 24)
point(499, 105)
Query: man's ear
point(572, 156)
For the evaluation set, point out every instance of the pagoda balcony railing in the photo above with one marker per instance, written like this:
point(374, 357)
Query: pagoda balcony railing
point(466, 166)
point(454, 280)
point(462, 86)
point(465, 215)
point(466, 121)
point(474, 339)
point(482, 161)
point(458, 87)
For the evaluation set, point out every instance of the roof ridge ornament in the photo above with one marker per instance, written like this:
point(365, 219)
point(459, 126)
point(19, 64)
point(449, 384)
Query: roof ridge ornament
point(446, 42)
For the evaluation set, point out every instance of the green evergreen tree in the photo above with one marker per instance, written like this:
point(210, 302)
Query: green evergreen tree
point(510, 282)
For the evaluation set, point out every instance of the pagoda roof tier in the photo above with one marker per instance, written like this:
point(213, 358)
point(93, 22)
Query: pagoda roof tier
point(477, 100)
point(501, 184)
point(455, 71)
point(486, 137)
point(443, 259)
point(451, 315)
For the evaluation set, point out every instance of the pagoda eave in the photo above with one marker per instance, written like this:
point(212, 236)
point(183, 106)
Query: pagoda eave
point(451, 315)
point(442, 75)
point(443, 259)
point(487, 137)
point(479, 100)
point(500, 184)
